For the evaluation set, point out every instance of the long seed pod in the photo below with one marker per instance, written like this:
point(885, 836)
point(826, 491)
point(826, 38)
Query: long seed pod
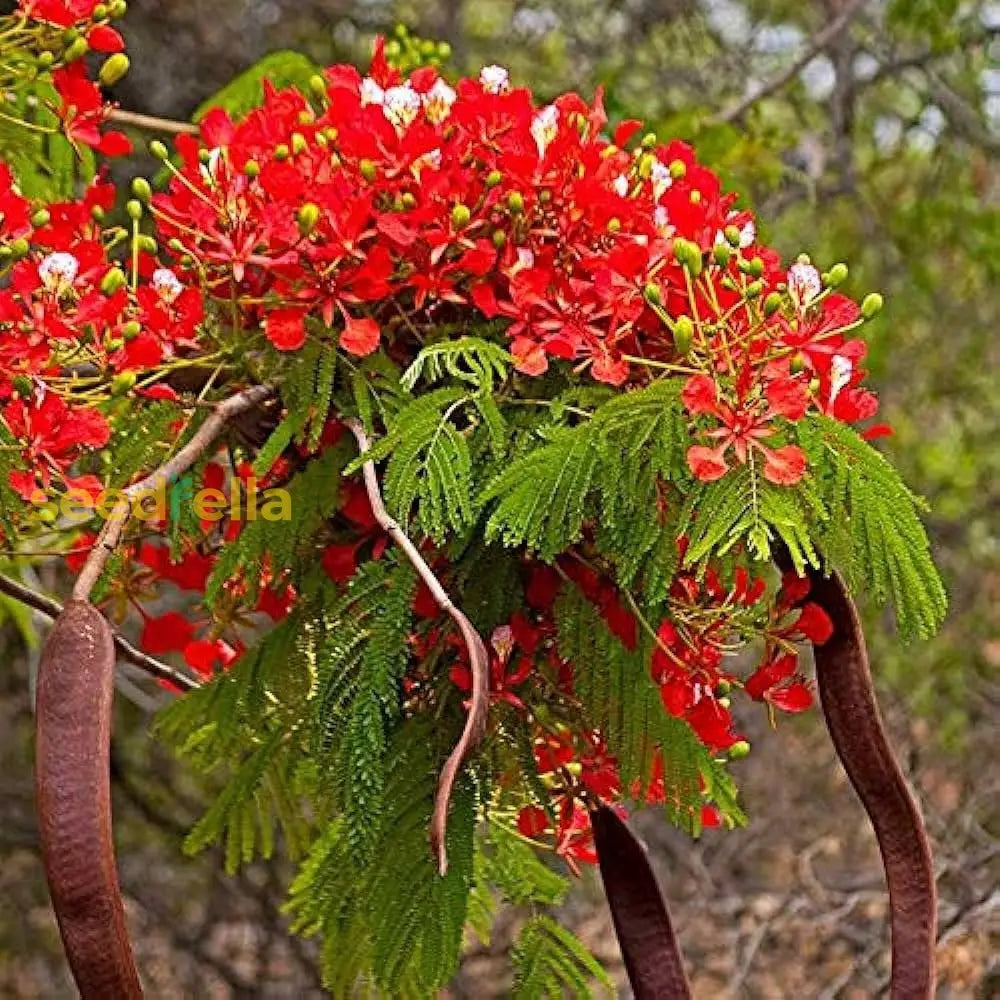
point(73, 795)
point(852, 716)
point(646, 936)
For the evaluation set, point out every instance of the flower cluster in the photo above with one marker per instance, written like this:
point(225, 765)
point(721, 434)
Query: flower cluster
point(63, 33)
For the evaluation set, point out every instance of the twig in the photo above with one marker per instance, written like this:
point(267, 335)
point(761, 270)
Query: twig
point(817, 43)
point(52, 609)
point(475, 723)
point(153, 123)
point(111, 533)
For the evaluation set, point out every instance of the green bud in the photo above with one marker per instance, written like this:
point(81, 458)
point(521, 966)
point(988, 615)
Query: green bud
point(114, 344)
point(755, 289)
point(112, 281)
point(646, 163)
point(299, 144)
point(872, 305)
point(652, 293)
point(739, 750)
point(677, 169)
point(100, 12)
point(683, 334)
point(97, 213)
point(122, 383)
point(317, 87)
point(545, 196)
point(837, 275)
point(19, 248)
point(722, 254)
point(159, 150)
point(131, 329)
point(368, 170)
point(77, 49)
point(142, 190)
point(772, 303)
point(282, 152)
point(146, 244)
point(113, 69)
point(23, 385)
point(409, 200)
point(134, 208)
point(117, 9)
point(515, 202)
point(649, 140)
point(251, 168)
point(688, 255)
point(46, 59)
point(331, 133)
point(176, 245)
point(756, 267)
point(41, 218)
point(460, 216)
point(722, 688)
point(307, 217)
point(796, 363)
point(614, 225)
point(732, 234)
point(493, 178)
point(499, 238)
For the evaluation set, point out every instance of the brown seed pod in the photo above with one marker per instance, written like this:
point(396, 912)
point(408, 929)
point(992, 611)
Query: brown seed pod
point(642, 923)
point(852, 716)
point(73, 794)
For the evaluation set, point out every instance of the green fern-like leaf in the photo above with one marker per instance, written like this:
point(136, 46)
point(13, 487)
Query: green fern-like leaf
point(550, 962)
point(873, 532)
point(469, 359)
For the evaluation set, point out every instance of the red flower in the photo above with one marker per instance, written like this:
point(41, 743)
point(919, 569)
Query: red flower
point(779, 683)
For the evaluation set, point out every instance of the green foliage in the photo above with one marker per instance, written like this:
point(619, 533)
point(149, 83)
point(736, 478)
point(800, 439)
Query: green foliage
point(549, 961)
point(395, 921)
point(138, 443)
point(314, 495)
point(873, 532)
point(511, 866)
point(307, 392)
point(246, 91)
point(469, 359)
point(46, 165)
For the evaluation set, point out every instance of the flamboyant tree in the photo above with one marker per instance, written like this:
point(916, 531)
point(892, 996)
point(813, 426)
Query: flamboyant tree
point(446, 444)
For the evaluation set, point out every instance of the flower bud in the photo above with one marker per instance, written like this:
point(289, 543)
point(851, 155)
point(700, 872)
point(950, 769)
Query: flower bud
point(493, 178)
point(722, 253)
point(100, 12)
point(460, 216)
point(317, 87)
point(368, 170)
point(147, 244)
point(113, 344)
point(252, 169)
point(131, 329)
point(19, 248)
point(677, 169)
point(649, 140)
point(112, 281)
point(134, 208)
point(756, 267)
point(41, 218)
point(282, 152)
point(646, 163)
point(652, 293)
point(683, 334)
point(176, 245)
point(77, 49)
point(308, 216)
point(117, 9)
point(515, 202)
point(797, 363)
point(614, 225)
point(23, 385)
point(158, 149)
point(122, 383)
point(739, 750)
point(46, 59)
point(755, 289)
point(688, 255)
point(772, 303)
point(723, 688)
point(732, 234)
point(872, 305)
point(499, 238)
point(113, 69)
point(837, 275)
point(142, 190)
point(299, 144)
point(409, 200)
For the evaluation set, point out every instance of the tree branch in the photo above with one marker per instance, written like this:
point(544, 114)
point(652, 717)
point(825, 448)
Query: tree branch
point(475, 723)
point(111, 533)
point(816, 44)
point(151, 123)
point(52, 609)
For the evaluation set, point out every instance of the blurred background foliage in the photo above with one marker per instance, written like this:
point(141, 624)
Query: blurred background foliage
point(860, 130)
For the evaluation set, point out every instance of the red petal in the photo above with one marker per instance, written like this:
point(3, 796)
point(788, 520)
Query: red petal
point(701, 394)
point(794, 698)
point(785, 466)
point(707, 464)
point(166, 634)
point(814, 623)
point(286, 329)
point(360, 336)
